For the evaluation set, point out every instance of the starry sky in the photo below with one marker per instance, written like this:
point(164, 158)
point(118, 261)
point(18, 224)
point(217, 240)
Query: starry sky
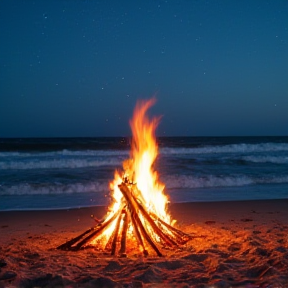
point(77, 68)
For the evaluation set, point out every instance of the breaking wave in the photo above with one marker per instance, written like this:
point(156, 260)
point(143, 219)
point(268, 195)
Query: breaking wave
point(94, 153)
point(266, 159)
point(233, 148)
point(171, 182)
point(59, 163)
point(187, 181)
point(29, 189)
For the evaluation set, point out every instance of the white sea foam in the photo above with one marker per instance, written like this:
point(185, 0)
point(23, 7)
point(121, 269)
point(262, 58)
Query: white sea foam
point(59, 163)
point(171, 182)
point(267, 159)
point(29, 189)
point(95, 153)
point(233, 148)
point(187, 181)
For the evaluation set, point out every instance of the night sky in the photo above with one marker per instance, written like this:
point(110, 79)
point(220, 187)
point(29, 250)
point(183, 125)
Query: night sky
point(77, 68)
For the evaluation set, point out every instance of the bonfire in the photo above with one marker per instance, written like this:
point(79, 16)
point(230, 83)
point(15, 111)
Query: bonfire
point(138, 213)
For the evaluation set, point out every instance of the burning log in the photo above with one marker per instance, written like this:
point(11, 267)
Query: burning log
point(122, 250)
point(116, 231)
point(147, 227)
point(79, 241)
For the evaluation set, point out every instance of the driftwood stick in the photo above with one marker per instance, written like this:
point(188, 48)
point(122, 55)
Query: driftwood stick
point(156, 229)
point(147, 237)
point(67, 245)
point(167, 236)
point(108, 244)
point(95, 233)
point(122, 250)
point(132, 206)
point(116, 232)
point(178, 233)
point(137, 233)
point(95, 219)
point(133, 211)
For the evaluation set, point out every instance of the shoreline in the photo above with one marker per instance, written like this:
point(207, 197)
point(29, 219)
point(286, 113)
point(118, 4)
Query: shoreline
point(187, 212)
point(235, 244)
point(169, 204)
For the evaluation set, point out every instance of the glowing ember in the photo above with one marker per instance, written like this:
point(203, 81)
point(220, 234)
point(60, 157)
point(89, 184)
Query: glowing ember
point(138, 213)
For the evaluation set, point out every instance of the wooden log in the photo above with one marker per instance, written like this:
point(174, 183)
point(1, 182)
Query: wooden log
point(178, 233)
point(137, 233)
point(172, 237)
point(122, 250)
point(156, 229)
point(95, 219)
point(67, 245)
point(116, 232)
point(109, 242)
point(131, 208)
point(147, 236)
point(175, 233)
point(108, 245)
point(134, 212)
point(95, 233)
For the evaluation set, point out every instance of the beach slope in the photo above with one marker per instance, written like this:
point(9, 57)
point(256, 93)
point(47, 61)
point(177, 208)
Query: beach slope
point(235, 244)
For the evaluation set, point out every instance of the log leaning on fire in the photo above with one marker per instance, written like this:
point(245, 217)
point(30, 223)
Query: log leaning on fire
point(129, 212)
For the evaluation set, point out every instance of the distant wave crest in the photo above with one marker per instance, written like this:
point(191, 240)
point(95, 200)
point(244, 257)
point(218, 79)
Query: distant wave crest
point(187, 181)
point(95, 153)
point(233, 148)
point(59, 163)
point(30, 189)
point(266, 159)
point(171, 182)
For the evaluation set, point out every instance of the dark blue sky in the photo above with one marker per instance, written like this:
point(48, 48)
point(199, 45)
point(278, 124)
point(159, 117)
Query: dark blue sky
point(77, 68)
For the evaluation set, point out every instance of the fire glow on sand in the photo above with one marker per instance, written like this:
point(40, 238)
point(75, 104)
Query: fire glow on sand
point(137, 218)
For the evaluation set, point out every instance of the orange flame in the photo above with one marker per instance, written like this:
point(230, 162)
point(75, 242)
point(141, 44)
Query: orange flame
point(144, 153)
point(139, 168)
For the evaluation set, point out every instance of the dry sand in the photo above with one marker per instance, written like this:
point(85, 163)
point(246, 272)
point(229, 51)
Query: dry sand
point(236, 244)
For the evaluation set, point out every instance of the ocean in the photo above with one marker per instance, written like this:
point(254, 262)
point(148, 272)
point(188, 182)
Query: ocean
point(57, 173)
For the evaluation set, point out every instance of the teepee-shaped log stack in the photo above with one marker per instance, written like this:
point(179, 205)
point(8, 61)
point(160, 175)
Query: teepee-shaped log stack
point(148, 228)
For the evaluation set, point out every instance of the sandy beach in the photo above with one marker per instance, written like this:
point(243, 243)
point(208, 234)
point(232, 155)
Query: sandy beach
point(234, 244)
